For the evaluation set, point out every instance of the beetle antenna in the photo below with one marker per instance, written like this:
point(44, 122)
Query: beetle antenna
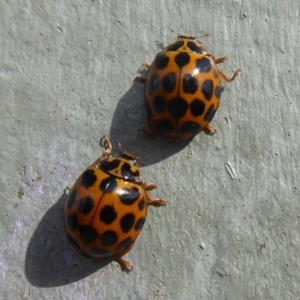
point(131, 156)
point(188, 36)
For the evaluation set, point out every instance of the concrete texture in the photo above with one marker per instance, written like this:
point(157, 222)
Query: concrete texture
point(231, 226)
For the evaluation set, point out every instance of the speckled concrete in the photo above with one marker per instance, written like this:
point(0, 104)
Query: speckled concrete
point(231, 226)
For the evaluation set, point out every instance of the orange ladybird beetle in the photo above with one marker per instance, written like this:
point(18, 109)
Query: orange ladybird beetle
point(107, 207)
point(183, 89)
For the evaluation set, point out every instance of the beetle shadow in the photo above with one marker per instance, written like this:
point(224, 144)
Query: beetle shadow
point(130, 116)
point(50, 259)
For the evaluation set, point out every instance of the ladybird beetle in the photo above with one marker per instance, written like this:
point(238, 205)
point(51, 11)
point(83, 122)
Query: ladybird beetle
point(183, 89)
point(107, 206)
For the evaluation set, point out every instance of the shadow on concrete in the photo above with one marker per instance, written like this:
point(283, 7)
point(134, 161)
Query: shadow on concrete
point(50, 259)
point(129, 117)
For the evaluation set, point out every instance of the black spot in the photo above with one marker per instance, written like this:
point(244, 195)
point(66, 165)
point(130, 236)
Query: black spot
point(127, 173)
point(152, 85)
point(71, 199)
point(164, 125)
point(168, 82)
point(218, 91)
point(194, 47)
point(88, 233)
point(100, 252)
point(203, 65)
point(208, 89)
point(72, 222)
point(129, 196)
point(107, 166)
point(108, 238)
point(125, 244)
point(108, 214)
point(108, 184)
point(159, 104)
point(161, 61)
point(73, 242)
point(88, 178)
point(142, 204)
point(197, 107)
point(148, 108)
point(86, 205)
point(190, 84)
point(175, 46)
point(190, 127)
point(210, 113)
point(177, 107)
point(127, 222)
point(182, 59)
point(139, 224)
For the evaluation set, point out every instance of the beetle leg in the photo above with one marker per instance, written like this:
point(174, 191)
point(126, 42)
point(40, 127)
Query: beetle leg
point(210, 130)
point(150, 201)
point(236, 73)
point(108, 147)
point(220, 59)
point(124, 264)
point(156, 202)
point(143, 70)
point(127, 155)
point(140, 79)
point(145, 67)
point(149, 186)
point(148, 133)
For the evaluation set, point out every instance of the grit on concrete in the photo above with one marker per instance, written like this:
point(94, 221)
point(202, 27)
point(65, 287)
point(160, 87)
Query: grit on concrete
point(230, 229)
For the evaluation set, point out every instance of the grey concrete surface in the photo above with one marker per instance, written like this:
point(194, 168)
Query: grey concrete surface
point(231, 226)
